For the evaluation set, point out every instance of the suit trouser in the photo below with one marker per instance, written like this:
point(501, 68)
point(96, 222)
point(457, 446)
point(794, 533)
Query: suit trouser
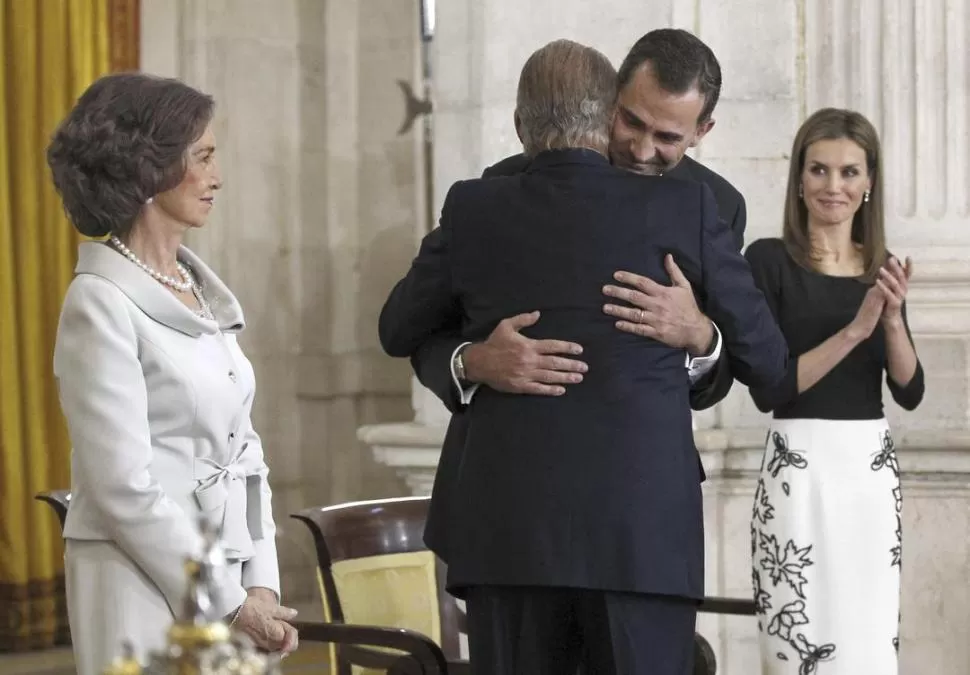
point(525, 630)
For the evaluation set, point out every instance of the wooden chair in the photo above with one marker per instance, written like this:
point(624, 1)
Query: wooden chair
point(705, 662)
point(59, 500)
point(413, 653)
point(375, 550)
point(361, 530)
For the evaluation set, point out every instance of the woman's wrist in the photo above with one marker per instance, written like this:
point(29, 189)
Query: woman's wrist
point(894, 323)
point(853, 334)
point(263, 594)
point(234, 615)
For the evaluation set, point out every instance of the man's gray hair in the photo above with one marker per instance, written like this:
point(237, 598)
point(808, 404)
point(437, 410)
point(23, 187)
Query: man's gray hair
point(567, 93)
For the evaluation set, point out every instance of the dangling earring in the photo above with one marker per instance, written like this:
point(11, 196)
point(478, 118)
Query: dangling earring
point(865, 197)
point(801, 191)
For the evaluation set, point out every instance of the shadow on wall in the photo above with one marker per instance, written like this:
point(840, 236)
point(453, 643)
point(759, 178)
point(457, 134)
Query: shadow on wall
point(358, 200)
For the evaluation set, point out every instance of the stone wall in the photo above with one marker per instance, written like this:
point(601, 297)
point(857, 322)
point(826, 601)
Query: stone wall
point(903, 63)
point(317, 217)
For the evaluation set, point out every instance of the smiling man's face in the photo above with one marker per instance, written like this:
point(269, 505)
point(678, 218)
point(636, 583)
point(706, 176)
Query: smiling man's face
point(653, 128)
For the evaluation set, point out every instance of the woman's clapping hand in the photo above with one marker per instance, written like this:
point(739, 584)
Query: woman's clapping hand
point(893, 281)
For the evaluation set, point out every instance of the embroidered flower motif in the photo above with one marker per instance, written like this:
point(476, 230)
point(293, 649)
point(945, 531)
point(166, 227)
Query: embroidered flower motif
point(785, 563)
point(886, 457)
point(897, 551)
point(791, 615)
point(783, 456)
point(762, 599)
point(763, 510)
point(811, 655)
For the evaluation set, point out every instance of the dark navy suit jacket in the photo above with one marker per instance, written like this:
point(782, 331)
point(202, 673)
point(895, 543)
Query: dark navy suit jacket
point(431, 361)
point(599, 488)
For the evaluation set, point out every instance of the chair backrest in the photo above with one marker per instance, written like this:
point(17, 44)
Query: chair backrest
point(414, 654)
point(360, 529)
point(386, 527)
point(713, 604)
point(705, 661)
point(59, 501)
point(360, 539)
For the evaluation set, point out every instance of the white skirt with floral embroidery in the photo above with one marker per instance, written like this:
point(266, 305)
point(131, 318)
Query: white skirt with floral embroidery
point(826, 541)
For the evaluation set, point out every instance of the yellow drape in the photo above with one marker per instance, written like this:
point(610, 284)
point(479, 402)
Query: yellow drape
point(51, 51)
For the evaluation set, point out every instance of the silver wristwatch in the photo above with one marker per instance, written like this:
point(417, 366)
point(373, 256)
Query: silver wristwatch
point(458, 364)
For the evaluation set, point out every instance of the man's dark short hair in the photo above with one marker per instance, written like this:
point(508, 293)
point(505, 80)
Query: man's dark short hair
point(124, 141)
point(681, 61)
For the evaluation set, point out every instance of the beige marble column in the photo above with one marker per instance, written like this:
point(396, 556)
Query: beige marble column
point(317, 214)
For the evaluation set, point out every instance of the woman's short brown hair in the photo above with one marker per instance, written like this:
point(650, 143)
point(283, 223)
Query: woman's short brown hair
point(124, 141)
point(868, 228)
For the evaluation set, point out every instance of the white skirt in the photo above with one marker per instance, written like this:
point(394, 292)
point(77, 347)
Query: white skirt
point(110, 601)
point(826, 541)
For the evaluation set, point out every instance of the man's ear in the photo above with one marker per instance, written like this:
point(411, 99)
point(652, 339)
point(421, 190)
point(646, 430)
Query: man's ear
point(702, 130)
point(518, 125)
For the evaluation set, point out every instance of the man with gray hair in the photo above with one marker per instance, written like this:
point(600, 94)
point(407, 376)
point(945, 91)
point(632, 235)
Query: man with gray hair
point(577, 529)
point(550, 114)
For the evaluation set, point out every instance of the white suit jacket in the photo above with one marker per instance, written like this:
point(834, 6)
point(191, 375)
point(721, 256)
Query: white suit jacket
point(158, 401)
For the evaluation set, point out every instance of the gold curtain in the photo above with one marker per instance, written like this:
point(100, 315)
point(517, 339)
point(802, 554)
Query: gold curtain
point(51, 51)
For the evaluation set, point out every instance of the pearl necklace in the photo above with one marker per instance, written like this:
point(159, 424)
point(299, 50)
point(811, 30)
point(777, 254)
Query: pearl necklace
point(181, 286)
point(205, 309)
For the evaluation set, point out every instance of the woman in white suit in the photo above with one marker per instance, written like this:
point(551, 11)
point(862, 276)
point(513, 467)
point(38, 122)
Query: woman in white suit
point(155, 389)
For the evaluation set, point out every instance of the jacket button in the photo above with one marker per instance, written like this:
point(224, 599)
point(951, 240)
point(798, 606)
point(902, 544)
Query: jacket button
point(232, 376)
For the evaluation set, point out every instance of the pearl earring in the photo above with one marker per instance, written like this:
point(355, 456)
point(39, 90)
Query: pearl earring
point(801, 191)
point(149, 201)
point(865, 197)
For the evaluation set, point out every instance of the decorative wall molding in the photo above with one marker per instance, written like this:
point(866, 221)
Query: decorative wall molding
point(933, 456)
point(904, 64)
point(124, 26)
point(410, 448)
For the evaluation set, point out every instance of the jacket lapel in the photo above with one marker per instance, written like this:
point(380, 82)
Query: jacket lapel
point(158, 302)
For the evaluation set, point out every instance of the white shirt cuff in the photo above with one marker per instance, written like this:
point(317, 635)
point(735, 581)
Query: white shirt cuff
point(700, 366)
point(465, 395)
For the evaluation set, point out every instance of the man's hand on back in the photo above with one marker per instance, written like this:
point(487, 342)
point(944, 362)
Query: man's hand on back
point(668, 314)
point(510, 362)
